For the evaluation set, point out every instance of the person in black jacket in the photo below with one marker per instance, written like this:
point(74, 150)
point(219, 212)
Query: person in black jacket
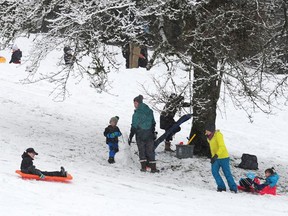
point(68, 57)
point(112, 132)
point(28, 167)
point(16, 55)
point(175, 102)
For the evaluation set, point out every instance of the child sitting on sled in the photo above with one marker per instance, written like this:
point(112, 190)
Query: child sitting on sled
point(269, 186)
point(28, 167)
point(112, 132)
point(247, 183)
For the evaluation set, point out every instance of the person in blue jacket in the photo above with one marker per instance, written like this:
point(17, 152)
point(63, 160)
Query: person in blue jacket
point(112, 132)
point(271, 180)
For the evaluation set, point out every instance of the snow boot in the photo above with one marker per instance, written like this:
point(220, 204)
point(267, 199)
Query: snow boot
point(111, 160)
point(143, 166)
point(153, 168)
point(63, 172)
point(168, 146)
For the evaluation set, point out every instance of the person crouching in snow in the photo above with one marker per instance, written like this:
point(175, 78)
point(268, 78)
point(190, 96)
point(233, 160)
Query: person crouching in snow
point(16, 55)
point(269, 186)
point(219, 159)
point(28, 167)
point(112, 132)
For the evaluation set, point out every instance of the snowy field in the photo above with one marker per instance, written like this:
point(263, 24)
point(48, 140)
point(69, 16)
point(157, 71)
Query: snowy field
point(70, 134)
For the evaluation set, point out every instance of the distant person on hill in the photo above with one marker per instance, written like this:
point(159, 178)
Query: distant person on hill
point(28, 167)
point(219, 158)
point(68, 57)
point(137, 54)
point(112, 132)
point(270, 184)
point(143, 125)
point(174, 104)
point(16, 55)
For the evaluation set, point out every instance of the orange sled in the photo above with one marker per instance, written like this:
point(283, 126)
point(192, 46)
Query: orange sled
point(47, 178)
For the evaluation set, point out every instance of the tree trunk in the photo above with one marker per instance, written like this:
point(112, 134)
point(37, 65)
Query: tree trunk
point(206, 88)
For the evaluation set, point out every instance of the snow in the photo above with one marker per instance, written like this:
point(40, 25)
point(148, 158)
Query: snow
point(70, 134)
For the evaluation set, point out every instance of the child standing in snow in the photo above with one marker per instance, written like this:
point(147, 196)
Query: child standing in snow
point(28, 167)
point(112, 132)
point(269, 186)
point(16, 55)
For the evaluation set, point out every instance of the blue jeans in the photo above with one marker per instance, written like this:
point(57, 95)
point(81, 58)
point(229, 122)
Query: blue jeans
point(225, 166)
point(113, 149)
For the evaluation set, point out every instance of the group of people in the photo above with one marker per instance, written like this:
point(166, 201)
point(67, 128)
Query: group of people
point(143, 127)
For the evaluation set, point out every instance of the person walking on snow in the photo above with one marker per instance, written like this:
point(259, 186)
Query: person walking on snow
point(174, 103)
point(219, 159)
point(143, 125)
point(16, 55)
point(28, 167)
point(112, 132)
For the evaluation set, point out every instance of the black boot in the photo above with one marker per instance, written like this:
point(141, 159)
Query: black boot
point(111, 160)
point(143, 166)
point(168, 146)
point(63, 172)
point(153, 168)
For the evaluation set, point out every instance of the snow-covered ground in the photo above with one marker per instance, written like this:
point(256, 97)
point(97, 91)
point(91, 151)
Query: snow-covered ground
point(70, 134)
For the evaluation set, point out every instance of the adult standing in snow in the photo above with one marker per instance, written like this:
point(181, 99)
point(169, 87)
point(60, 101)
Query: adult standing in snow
point(143, 125)
point(219, 159)
point(68, 57)
point(16, 55)
point(175, 103)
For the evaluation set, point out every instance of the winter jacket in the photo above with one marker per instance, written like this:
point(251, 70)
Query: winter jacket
point(27, 163)
point(217, 145)
point(169, 111)
point(16, 57)
point(272, 180)
point(112, 133)
point(143, 123)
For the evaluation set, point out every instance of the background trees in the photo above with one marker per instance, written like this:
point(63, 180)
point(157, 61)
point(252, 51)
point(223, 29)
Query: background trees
point(237, 46)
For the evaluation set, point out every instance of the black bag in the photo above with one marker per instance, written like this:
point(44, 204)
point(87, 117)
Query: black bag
point(248, 162)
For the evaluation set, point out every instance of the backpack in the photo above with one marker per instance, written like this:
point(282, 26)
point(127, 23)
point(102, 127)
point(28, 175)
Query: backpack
point(248, 162)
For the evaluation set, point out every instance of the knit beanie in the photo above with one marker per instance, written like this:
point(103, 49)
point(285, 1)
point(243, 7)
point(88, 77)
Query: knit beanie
point(114, 119)
point(15, 47)
point(138, 99)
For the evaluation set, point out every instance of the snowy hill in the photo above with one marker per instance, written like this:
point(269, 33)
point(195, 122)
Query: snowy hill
point(70, 134)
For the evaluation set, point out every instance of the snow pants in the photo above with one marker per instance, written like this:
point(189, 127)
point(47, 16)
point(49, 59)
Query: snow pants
point(113, 149)
point(224, 164)
point(146, 150)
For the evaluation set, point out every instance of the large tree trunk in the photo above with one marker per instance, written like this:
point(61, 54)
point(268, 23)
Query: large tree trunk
point(206, 88)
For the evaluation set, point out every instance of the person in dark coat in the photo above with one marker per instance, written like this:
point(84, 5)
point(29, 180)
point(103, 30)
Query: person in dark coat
point(143, 57)
point(68, 57)
point(143, 125)
point(175, 103)
point(28, 167)
point(112, 132)
point(16, 55)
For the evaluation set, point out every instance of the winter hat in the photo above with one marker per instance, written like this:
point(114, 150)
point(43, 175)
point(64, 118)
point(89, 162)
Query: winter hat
point(31, 150)
point(251, 175)
point(15, 47)
point(114, 119)
point(138, 99)
point(210, 127)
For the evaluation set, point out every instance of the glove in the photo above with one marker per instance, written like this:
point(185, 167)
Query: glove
point(214, 158)
point(129, 141)
point(42, 176)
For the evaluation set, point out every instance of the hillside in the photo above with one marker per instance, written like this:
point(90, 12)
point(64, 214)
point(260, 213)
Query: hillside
point(70, 134)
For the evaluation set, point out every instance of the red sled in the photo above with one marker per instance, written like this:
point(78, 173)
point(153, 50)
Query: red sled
point(265, 190)
point(47, 178)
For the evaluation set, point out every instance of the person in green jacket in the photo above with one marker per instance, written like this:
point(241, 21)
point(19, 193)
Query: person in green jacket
point(143, 125)
point(219, 159)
